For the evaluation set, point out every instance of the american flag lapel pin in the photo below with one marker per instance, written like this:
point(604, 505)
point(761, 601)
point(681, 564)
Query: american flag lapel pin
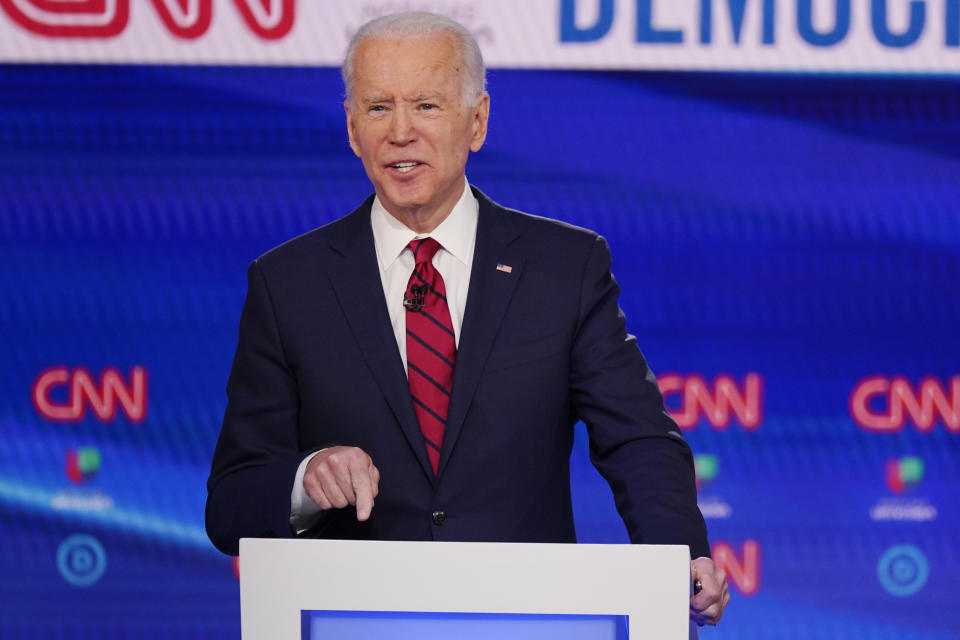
point(504, 267)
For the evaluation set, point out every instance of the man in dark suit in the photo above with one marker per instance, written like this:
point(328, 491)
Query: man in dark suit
point(414, 370)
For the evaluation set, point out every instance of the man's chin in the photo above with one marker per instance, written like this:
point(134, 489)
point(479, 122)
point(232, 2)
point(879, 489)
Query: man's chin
point(415, 203)
point(405, 201)
point(404, 211)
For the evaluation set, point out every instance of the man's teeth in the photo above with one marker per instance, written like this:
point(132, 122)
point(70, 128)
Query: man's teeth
point(404, 167)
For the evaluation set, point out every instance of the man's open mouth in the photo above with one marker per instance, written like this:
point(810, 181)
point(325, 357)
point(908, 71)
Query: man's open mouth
point(404, 167)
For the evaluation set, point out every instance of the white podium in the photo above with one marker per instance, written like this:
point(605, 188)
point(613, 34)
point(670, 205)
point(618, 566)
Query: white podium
point(353, 590)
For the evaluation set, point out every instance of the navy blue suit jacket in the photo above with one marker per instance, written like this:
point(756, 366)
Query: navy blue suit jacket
point(317, 365)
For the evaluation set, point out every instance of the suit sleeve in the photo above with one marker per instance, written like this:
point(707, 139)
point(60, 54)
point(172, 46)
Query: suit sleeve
point(257, 454)
point(634, 443)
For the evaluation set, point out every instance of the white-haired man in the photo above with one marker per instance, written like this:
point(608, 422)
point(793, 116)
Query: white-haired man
point(431, 351)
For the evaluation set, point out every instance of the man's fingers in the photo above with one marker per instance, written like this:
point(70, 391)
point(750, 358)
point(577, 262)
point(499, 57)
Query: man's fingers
point(363, 490)
point(712, 613)
point(723, 606)
point(724, 595)
point(710, 593)
point(343, 469)
point(341, 476)
point(331, 487)
point(707, 606)
point(312, 486)
point(366, 486)
point(375, 479)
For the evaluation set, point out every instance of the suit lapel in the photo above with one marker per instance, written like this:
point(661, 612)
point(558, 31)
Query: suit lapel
point(487, 300)
point(355, 279)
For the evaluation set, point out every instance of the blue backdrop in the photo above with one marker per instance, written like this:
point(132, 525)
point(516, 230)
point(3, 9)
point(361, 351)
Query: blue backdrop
point(803, 230)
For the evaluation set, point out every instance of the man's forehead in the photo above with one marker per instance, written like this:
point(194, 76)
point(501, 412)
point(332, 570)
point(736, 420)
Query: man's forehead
point(424, 54)
point(435, 41)
point(378, 95)
point(410, 69)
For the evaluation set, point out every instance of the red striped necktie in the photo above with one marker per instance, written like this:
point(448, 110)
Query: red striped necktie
point(431, 346)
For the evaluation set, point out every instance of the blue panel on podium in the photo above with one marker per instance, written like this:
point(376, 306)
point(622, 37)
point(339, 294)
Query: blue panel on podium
point(403, 625)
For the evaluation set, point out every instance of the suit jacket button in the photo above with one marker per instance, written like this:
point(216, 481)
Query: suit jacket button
point(439, 517)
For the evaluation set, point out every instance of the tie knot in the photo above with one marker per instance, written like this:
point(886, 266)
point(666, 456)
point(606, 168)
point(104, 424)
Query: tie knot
point(424, 249)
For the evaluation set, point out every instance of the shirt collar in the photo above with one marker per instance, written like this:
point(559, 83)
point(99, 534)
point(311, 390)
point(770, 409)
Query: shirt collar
point(456, 234)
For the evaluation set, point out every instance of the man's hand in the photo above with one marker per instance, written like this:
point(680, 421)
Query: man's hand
point(707, 606)
point(339, 476)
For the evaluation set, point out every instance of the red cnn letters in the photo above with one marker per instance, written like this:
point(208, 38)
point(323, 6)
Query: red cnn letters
point(717, 405)
point(924, 403)
point(187, 19)
point(82, 392)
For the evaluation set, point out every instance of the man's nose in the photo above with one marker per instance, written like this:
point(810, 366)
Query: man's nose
point(402, 129)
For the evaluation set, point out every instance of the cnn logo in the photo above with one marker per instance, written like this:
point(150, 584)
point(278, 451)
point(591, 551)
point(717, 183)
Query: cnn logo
point(78, 391)
point(186, 19)
point(884, 404)
point(690, 399)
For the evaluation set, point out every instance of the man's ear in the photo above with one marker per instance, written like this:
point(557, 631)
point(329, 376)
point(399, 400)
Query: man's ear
point(480, 117)
point(350, 133)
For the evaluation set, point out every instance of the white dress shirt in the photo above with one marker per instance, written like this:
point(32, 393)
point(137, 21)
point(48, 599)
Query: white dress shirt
point(457, 236)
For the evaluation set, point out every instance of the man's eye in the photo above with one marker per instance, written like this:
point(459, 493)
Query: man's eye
point(427, 106)
point(377, 108)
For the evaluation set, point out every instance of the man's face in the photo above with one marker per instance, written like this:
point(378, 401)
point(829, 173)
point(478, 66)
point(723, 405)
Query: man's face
point(409, 124)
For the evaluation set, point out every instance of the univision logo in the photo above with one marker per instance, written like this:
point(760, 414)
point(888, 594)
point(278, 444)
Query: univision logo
point(82, 464)
point(706, 467)
point(904, 474)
